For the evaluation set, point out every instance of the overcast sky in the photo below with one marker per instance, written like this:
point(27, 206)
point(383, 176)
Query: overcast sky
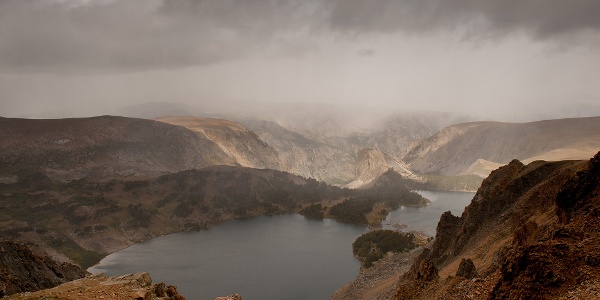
point(501, 59)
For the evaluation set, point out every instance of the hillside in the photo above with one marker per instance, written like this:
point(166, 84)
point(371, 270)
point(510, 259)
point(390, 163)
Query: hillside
point(237, 141)
point(101, 147)
point(457, 148)
point(83, 220)
point(531, 232)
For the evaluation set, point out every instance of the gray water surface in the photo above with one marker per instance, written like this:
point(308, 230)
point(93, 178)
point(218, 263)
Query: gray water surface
point(279, 257)
point(425, 219)
point(266, 258)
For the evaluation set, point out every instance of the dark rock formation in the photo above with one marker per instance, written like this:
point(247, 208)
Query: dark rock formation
point(21, 270)
point(466, 269)
point(534, 230)
point(568, 254)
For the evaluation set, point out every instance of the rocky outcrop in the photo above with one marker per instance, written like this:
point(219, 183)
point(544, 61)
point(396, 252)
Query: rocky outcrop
point(466, 269)
point(21, 270)
point(530, 232)
point(457, 147)
point(567, 256)
point(136, 286)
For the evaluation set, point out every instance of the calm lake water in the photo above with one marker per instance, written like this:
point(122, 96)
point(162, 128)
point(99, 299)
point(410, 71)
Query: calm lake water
point(426, 218)
point(279, 257)
point(266, 258)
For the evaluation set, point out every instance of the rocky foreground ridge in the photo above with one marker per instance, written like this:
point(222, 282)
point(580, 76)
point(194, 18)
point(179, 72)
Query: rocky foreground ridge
point(531, 232)
point(22, 270)
point(131, 286)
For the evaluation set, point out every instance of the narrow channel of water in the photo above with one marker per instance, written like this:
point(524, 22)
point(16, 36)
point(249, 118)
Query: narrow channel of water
point(425, 219)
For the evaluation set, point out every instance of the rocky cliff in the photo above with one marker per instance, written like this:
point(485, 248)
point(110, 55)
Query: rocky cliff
point(241, 144)
point(371, 163)
point(22, 270)
point(456, 148)
point(530, 232)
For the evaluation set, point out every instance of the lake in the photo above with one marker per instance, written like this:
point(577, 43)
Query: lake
point(425, 219)
point(278, 257)
point(266, 258)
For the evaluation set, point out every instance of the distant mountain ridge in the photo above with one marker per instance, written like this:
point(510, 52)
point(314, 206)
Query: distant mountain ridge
point(107, 147)
point(331, 152)
point(457, 147)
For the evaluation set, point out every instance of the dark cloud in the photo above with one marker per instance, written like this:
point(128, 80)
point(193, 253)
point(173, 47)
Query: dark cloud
point(542, 19)
point(102, 35)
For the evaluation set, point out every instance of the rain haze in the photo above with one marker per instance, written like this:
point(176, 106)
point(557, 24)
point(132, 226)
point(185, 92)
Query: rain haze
point(505, 60)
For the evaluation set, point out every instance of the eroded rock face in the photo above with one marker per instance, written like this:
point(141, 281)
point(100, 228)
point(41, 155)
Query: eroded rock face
point(466, 269)
point(533, 231)
point(21, 270)
point(568, 255)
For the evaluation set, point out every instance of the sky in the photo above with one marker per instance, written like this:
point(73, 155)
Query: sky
point(512, 60)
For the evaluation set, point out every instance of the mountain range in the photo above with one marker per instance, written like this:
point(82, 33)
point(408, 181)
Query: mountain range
point(80, 188)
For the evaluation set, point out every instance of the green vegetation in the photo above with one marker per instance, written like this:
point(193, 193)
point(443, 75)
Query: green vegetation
point(372, 246)
point(353, 210)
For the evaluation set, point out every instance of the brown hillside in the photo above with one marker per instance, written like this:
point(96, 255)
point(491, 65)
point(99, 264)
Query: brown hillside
point(531, 231)
point(102, 147)
point(455, 148)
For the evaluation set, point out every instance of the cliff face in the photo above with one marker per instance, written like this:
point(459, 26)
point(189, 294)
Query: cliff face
point(21, 270)
point(371, 163)
point(530, 232)
point(456, 148)
point(326, 144)
point(237, 141)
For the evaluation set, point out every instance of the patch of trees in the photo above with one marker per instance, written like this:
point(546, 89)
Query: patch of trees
point(314, 211)
point(372, 246)
point(353, 210)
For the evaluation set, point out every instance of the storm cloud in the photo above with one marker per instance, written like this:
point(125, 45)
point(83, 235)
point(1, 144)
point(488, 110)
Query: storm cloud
point(503, 59)
point(133, 35)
